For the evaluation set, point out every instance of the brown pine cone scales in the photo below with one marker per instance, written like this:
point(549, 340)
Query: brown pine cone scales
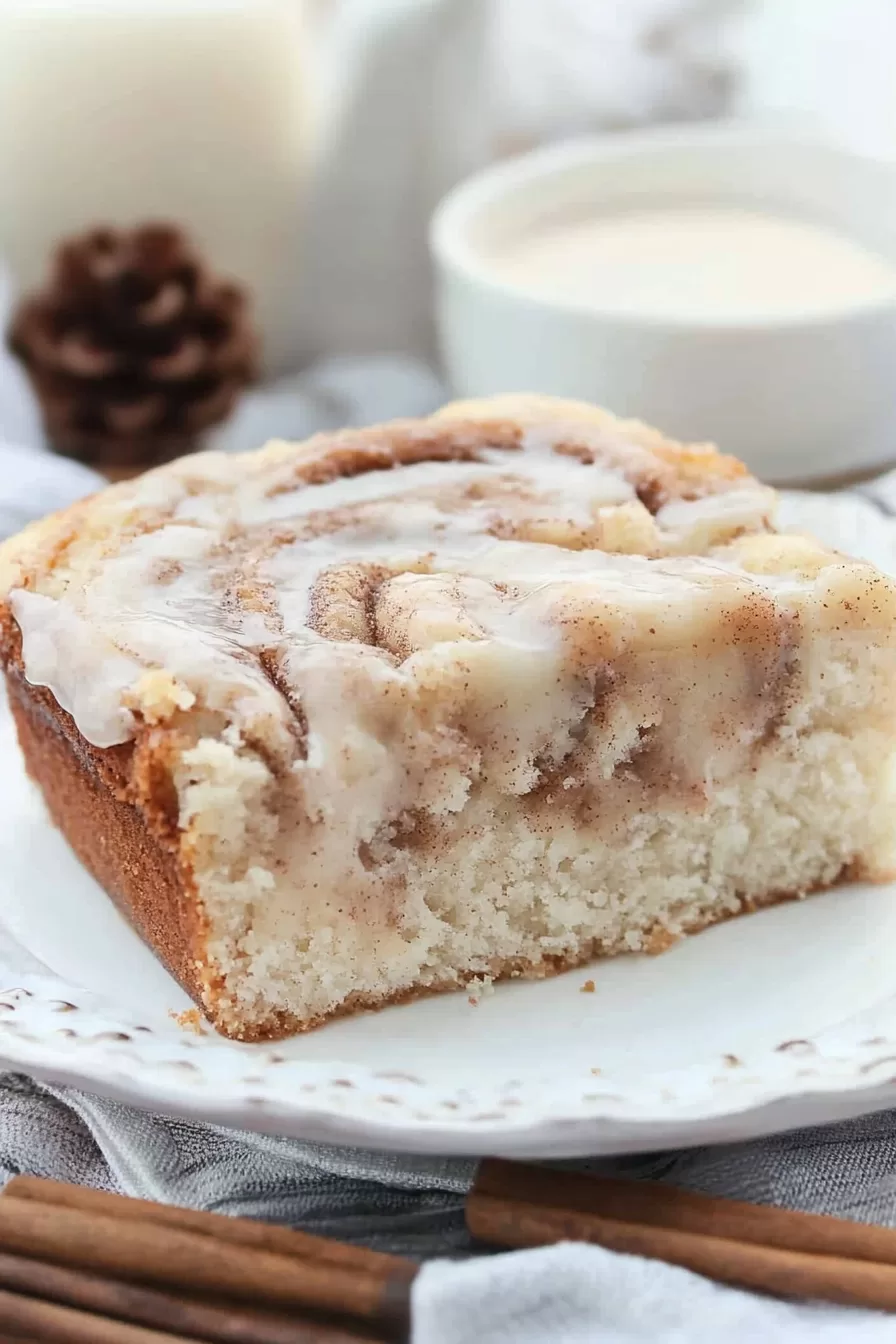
point(133, 348)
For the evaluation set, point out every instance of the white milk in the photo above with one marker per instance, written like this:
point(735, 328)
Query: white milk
point(696, 262)
point(128, 110)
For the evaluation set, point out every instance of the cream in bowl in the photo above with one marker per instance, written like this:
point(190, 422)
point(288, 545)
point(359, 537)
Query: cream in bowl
point(695, 263)
point(736, 285)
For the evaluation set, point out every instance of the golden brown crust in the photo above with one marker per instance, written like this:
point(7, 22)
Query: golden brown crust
point(83, 787)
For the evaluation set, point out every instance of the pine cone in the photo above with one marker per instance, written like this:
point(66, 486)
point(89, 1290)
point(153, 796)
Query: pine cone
point(133, 348)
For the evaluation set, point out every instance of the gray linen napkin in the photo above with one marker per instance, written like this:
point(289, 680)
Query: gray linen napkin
point(405, 1204)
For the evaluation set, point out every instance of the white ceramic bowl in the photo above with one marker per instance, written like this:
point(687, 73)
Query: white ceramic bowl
point(799, 399)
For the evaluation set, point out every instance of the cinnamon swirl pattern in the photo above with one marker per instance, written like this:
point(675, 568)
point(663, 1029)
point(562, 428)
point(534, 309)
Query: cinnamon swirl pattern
point(481, 695)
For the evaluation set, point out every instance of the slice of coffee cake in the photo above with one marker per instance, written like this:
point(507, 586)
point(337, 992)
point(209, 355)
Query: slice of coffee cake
point(486, 694)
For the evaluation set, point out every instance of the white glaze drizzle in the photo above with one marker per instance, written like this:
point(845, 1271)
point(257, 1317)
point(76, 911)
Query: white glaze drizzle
point(167, 599)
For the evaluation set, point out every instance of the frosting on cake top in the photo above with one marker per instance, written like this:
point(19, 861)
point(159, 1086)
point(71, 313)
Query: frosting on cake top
point(458, 584)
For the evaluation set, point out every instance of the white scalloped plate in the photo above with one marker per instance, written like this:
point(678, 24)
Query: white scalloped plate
point(775, 1020)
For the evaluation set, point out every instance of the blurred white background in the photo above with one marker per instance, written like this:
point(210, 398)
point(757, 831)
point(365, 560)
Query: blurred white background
point(311, 161)
point(382, 106)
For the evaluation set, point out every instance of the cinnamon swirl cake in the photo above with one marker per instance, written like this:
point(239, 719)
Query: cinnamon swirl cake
point(481, 695)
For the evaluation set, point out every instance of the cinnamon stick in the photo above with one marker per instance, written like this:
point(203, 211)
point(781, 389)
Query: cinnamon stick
point(175, 1316)
point(239, 1231)
point(658, 1205)
point(518, 1221)
point(60, 1325)
point(174, 1257)
point(828, 1278)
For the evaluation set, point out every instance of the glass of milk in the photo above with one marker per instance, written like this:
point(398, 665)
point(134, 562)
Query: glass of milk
point(194, 111)
point(724, 282)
